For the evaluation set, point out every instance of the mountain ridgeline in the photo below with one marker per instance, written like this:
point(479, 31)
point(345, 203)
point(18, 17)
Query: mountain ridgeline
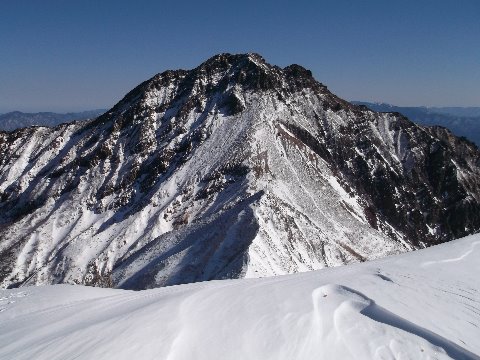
point(16, 119)
point(236, 168)
point(462, 121)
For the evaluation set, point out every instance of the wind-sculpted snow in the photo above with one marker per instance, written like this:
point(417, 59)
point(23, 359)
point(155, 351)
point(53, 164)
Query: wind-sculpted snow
point(419, 305)
point(233, 169)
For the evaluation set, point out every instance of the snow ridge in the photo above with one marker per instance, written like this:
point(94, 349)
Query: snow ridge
point(392, 308)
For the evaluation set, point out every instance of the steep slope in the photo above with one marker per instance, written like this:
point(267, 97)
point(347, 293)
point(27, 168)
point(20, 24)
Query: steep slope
point(461, 121)
point(235, 168)
point(421, 305)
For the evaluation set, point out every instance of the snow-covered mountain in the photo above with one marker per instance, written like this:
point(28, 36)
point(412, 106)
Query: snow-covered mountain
point(461, 121)
point(420, 305)
point(17, 119)
point(236, 168)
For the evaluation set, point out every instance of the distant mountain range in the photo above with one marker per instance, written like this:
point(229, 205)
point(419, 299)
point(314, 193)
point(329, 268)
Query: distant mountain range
point(462, 121)
point(16, 119)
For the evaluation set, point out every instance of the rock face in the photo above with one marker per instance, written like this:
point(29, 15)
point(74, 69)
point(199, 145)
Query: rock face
point(462, 121)
point(233, 169)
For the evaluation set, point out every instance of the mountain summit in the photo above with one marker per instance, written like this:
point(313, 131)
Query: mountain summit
point(236, 168)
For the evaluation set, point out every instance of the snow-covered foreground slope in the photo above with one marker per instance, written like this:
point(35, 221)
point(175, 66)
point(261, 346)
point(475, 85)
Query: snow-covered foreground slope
point(420, 305)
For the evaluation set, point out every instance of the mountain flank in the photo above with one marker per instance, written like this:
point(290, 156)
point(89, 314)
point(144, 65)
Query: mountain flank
point(236, 168)
point(462, 121)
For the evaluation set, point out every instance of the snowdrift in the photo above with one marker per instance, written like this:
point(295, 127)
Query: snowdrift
point(420, 305)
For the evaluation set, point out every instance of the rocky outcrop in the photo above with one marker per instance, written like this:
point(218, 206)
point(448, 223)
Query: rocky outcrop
point(235, 168)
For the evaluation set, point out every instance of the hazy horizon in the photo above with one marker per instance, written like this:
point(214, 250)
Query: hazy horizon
point(65, 111)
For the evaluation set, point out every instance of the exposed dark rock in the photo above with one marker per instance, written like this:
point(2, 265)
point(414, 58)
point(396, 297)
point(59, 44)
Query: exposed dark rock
point(195, 170)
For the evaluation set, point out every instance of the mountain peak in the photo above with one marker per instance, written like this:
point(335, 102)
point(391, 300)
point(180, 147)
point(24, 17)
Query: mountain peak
point(234, 168)
point(220, 74)
point(227, 59)
point(252, 71)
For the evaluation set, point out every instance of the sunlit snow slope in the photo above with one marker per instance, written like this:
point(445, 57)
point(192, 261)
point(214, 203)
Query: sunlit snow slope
point(236, 168)
point(420, 305)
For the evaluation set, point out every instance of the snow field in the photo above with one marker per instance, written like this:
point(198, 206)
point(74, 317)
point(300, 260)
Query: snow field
point(420, 305)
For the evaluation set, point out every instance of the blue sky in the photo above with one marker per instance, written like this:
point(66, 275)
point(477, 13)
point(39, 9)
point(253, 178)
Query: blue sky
point(78, 55)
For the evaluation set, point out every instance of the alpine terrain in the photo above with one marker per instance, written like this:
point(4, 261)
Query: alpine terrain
point(236, 168)
point(461, 121)
point(420, 306)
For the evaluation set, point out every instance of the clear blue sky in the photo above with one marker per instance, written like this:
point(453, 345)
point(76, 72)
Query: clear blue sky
point(75, 55)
